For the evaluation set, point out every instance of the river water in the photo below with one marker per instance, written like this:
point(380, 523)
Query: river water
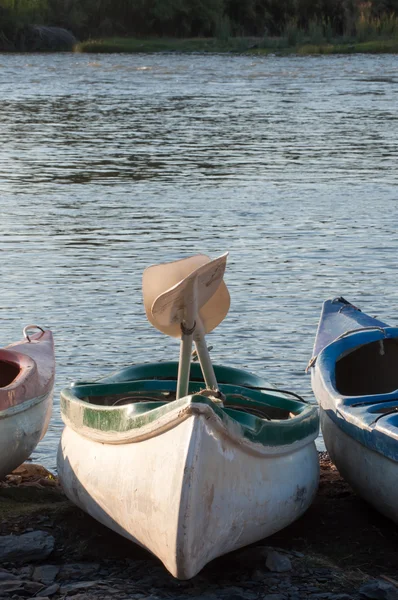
point(111, 163)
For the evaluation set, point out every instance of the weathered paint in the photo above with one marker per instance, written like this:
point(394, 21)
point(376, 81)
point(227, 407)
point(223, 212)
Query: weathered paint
point(36, 365)
point(103, 424)
point(188, 479)
point(26, 402)
point(117, 424)
point(193, 491)
point(371, 475)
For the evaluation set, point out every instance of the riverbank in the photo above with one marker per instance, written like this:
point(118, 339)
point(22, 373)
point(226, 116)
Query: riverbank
point(340, 549)
point(256, 46)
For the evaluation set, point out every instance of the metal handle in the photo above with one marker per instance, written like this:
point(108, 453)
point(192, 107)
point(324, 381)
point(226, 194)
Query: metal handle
point(25, 330)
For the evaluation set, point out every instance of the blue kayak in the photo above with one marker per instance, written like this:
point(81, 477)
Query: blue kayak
point(354, 373)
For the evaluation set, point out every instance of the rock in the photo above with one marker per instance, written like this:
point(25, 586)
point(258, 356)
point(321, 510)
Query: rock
point(46, 573)
point(379, 590)
point(78, 585)
point(274, 597)
point(200, 597)
point(278, 562)
point(51, 590)
point(7, 576)
point(258, 575)
point(231, 593)
point(33, 546)
point(9, 586)
point(270, 581)
point(25, 572)
point(32, 586)
point(76, 570)
point(40, 38)
point(14, 479)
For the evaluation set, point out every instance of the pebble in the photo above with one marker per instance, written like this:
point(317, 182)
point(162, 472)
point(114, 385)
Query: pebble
point(6, 575)
point(25, 572)
point(379, 590)
point(28, 547)
point(51, 590)
point(78, 570)
point(33, 587)
point(46, 573)
point(257, 573)
point(78, 585)
point(278, 562)
point(9, 586)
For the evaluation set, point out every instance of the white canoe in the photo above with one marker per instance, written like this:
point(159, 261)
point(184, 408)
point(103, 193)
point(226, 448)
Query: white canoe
point(26, 389)
point(187, 479)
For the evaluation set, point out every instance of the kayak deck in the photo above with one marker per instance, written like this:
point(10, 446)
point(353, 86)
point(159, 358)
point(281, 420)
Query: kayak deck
point(355, 378)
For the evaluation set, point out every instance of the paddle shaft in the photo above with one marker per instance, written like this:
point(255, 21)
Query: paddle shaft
point(204, 356)
point(184, 365)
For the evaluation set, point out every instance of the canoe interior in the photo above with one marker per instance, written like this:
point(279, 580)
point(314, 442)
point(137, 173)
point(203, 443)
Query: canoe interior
point(8, 372)
point(369, 369)
point(136, 397)
point(148, 400)
point(149, 386)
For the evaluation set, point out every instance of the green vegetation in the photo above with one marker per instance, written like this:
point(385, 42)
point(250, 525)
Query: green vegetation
point(239, 45)
point(303, 26)
point(119, 44)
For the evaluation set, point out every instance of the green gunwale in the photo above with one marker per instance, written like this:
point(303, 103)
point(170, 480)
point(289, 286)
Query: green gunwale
point(160, 378)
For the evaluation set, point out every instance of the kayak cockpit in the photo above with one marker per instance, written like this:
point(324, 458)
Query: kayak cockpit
point(368, 369)
point(9, 371)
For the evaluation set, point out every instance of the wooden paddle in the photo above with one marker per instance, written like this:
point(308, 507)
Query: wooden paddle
point(193, 306)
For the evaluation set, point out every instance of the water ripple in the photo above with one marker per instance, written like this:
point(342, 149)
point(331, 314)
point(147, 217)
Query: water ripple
point(111, 163)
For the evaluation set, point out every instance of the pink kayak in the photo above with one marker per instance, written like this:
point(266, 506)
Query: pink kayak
point(27, 370)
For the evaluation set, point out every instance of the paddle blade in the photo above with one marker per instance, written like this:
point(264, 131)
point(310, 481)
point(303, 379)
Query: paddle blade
point(179, 291)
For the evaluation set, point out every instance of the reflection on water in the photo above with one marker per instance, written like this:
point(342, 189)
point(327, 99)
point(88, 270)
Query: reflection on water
point(111, 163)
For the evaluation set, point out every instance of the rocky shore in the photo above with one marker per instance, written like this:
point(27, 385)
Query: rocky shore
point(340, 549)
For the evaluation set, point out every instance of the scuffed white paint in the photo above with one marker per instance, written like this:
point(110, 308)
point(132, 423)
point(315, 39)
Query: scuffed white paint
point(182, 496)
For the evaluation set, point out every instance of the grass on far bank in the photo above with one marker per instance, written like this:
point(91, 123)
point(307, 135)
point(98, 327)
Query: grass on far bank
point(279, 46)
point(149, 45)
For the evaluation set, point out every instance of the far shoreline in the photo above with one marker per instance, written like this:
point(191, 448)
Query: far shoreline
point(234, 46)
point(240, 46)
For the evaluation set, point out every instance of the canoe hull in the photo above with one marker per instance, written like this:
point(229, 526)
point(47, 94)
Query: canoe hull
point(25, 397)
point(189, 494)
point(372, 475)
point(21, 429)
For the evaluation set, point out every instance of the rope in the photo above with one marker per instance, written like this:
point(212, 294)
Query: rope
point(266, 389)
